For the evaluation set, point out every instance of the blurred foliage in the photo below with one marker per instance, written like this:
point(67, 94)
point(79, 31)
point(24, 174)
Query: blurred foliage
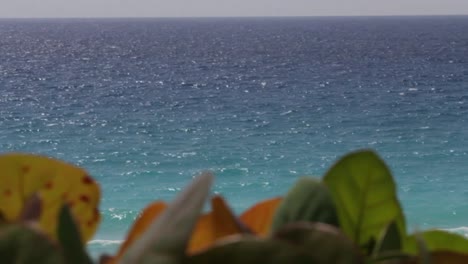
point(49, 209)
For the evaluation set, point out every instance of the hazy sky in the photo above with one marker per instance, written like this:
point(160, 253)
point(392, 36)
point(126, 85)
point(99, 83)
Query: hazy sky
point(202, 8)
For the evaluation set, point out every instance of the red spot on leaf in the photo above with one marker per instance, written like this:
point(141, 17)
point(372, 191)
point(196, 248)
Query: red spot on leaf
point(87, 180)
point(7, 192)
point(96, 214)
point(25, 169)
point(90, 223)
point(48, 185)
point(84, 198)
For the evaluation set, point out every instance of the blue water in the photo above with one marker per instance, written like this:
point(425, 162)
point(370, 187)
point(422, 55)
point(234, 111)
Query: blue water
point(145, 104)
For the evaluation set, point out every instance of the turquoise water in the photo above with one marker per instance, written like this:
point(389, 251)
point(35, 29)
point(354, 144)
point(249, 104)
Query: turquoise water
point(146, 104)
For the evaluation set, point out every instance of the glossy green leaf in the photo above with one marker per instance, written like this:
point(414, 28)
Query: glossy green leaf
point(364, 193)
point(308, 200)
point(436, 240)
point(70, 239)
point(21, 244)
point(166, 239)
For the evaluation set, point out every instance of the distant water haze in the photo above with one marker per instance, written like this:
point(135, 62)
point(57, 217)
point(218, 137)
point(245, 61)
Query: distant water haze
point(229, 8)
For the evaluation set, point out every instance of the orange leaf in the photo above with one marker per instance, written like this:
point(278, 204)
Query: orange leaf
point(260, 216)
point(219, 223)
point(148, 216)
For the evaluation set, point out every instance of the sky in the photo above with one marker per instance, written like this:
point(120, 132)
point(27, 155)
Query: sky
point(222, 8)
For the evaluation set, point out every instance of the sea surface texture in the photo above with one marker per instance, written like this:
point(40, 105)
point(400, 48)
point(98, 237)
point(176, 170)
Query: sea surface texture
point(145, 104)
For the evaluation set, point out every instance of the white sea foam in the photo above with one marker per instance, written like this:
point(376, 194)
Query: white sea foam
point(119, 216)
point(462, 230)
point(105, 242)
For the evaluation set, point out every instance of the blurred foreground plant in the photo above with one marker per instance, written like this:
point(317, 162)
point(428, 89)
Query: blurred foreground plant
point(49, 208)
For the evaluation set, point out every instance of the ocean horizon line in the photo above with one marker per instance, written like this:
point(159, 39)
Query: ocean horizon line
point(236, 17)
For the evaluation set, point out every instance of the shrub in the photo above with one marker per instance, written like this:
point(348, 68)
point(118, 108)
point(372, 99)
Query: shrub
point(48, 210)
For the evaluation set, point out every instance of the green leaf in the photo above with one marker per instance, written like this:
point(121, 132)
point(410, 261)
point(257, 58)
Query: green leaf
point(22, 244)
point(364, 193)
point(308, 200)
point(437, 240)
point(166, 239)
point(423, 251)
point(70, 239)
point(390, 240)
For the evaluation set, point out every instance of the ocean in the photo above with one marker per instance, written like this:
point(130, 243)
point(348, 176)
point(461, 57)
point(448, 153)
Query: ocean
point(145, 104)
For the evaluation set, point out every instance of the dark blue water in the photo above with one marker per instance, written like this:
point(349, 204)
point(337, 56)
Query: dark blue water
point(144, 104)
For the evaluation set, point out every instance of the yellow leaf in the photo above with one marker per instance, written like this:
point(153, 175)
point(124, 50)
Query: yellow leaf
point(55, 183)
point(260, 216)
point(219, 223)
